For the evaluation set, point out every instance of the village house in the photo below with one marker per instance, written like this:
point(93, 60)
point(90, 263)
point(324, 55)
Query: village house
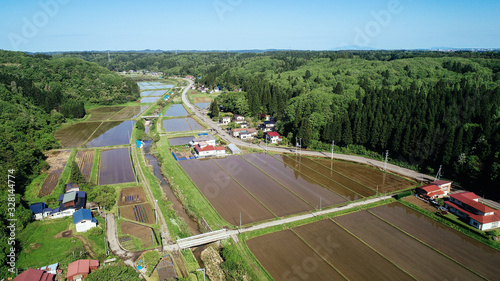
point(434, 190)
point(248, 134)
point(243, 125)
point(79, 269)
point(83, 220)
point(40, 211)
point(209, 150)
point(236, 132)
point(225, 120)
point(51, 268)
point(466, 205)
point(268, 126)
point(273, 137)
point(69, 203)
point(204, 139)
point(265, 117)
point(32, 274)
point(238, 119)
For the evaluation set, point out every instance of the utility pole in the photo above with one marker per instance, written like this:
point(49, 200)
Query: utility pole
point(386, 155)
point(240, 219)
point(320, 203)
point(377, 189)
point(438, 175)
point(333, 145)
point(296, 145)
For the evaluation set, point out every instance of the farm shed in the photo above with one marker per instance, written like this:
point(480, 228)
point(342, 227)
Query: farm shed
point(40, 211)
point(35, 275)
point(467, 206)
point(79, 269)
point(83, 220)
point(233, 149)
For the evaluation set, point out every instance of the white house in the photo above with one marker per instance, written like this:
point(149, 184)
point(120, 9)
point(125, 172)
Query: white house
point(248, 134)
point(225, 120)
point(83, 220)
point(209, 150)
point(273, 137)
point(205, 139)
point(238, 119)
point(268, 126)
point(40, 211)
point(466, 205)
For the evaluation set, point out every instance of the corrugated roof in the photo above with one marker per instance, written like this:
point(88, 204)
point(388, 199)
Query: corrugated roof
point(81, 266)
point(468, 198)
point(71, 196)
point(273, 134)
point(234, 149)
point(481, 219)
point(82, 214)
point(37, 208)
point(34, 275)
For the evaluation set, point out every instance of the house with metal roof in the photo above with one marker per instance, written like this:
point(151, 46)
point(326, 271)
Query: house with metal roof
point(209, 150)
point(466, 205)
point(40, 211)
point(70, 187)
point(83, 220)
point(273, 137)
point(79, 269)
point(206, 139)
point(32, 274)
point(435, 189)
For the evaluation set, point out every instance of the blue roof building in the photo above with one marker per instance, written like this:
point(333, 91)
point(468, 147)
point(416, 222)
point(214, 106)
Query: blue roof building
point(83, 220)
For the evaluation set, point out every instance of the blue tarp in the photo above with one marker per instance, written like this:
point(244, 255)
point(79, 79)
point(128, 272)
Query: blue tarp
point(203, 134)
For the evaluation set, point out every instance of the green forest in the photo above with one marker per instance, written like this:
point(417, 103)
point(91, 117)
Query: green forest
point(426, 108)
point(38, 93)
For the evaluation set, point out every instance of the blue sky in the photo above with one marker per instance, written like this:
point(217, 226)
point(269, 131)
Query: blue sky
point(66, 25)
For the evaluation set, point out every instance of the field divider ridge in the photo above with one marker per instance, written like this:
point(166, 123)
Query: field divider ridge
point(319, 255)
point(320, 184)
point(245, 189)
point(93, 132)
point(329, 178)
point(312, 159)
point(366, 244)
point(422, 242)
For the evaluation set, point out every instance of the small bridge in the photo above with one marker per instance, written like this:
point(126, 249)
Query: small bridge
point(150, 117)
point(201, 239)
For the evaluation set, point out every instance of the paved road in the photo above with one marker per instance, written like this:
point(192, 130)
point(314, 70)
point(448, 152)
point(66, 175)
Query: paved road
point(224, 135)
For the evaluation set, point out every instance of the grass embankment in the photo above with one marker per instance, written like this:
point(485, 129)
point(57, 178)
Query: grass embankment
point(176, 226)
point(191, 264)
point(454, 222)
point(187, 192)
point(94, 173)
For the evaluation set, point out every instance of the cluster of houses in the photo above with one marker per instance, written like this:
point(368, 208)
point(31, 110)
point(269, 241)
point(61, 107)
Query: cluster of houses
point(146, 72)
point(464, 204)
point(71, 203)
point(77, 271)
point(243, 132)
point(205, 145)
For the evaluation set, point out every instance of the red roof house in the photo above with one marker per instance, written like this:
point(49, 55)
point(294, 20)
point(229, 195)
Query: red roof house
point(79, 269)
point(273, 137)
point(435, 189)
point(209, 150)
point(35, 275)
point(467, 206)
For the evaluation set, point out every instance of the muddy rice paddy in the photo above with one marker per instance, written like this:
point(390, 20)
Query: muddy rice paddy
point(115, 167)
point(85, 160)
point(390, 242)
point(112, 133)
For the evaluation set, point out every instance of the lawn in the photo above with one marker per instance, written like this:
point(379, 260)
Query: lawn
point(39, 247)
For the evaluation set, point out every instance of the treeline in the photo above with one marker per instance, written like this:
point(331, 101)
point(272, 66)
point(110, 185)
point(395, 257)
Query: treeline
point(37, 94)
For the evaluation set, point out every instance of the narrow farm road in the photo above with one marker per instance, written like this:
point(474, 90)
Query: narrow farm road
point(224, 135)
point(128, 257)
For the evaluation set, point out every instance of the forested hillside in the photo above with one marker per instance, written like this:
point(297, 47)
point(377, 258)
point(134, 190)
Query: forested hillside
point(37, 94)
point(426, 108)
